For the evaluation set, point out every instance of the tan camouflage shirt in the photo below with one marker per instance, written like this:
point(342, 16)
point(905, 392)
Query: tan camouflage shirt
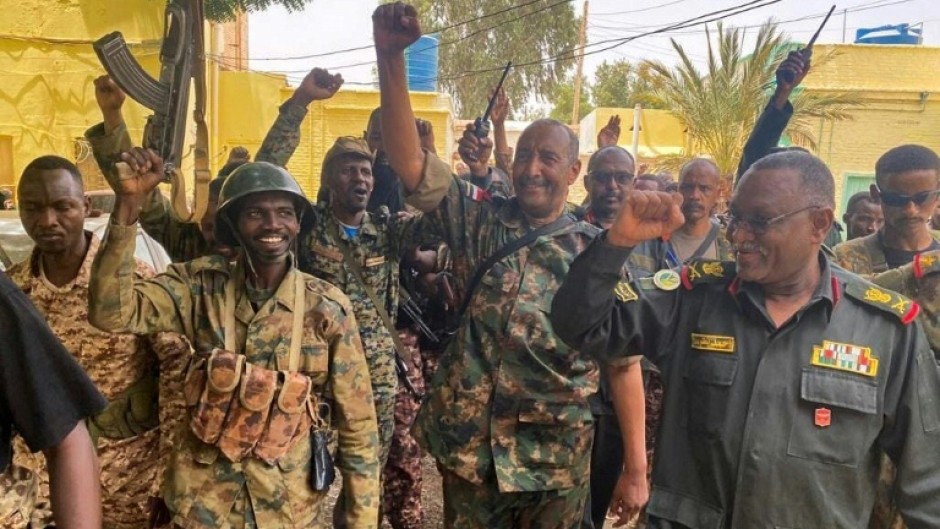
point(129, 467)
point(204, 490)
point(508, 395)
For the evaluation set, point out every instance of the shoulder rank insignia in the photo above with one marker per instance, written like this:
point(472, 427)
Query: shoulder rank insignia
point(845, 357)
point(625, 292)
point(700, 271)
point(666, 279)
point(712, 342)
point(892, 302)
point(926, 263)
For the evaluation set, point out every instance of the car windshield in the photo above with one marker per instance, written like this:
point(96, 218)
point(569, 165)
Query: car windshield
point(15, 244)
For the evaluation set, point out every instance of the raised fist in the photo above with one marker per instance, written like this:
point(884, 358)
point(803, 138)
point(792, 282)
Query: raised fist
point(610, 134)
point(394, 27)
point(139, 174)
point(108, 94)
point(646, 215)
point(319, 84)
point(474, 151)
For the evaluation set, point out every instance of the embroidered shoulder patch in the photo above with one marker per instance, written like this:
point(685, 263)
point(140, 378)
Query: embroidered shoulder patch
point(625, 292)
point(891, 302)
point(701, 271)
point(845, 357)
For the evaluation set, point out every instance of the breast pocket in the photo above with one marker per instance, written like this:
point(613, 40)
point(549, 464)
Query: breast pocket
point(492, 302)
point(315, 363)
point(709, 377)
point(837, 417)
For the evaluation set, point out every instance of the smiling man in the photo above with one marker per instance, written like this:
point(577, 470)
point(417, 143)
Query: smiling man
point(275, 349)
point(787, 376)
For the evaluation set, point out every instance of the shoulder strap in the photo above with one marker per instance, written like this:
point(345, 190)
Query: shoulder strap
point(360, 277)
point(506, 250)
point(673, 255)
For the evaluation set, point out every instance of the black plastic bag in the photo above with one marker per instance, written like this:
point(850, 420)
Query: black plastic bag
point(322, 472)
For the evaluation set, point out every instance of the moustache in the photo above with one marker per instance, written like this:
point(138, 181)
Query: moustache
point(749, 247)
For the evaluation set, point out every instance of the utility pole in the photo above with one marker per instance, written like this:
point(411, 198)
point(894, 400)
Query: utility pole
point(582, 41)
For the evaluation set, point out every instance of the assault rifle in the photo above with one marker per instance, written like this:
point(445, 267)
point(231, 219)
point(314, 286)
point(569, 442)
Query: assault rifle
point(182, 60)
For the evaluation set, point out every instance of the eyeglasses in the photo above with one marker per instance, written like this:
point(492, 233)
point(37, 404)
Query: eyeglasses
point(604, 177)
point(897, 200)
point(759, 225)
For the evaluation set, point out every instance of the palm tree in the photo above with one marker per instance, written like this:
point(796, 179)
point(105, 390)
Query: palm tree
point(720, 105)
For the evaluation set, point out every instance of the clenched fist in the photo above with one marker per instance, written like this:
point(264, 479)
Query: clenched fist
point(394, 27)
point(646, 215)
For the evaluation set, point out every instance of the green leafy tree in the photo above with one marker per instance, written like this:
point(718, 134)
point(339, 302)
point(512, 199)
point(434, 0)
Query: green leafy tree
point(563, 101)
point(525, 34)
point(622, 84)
point(719, 105)
point(223, 10)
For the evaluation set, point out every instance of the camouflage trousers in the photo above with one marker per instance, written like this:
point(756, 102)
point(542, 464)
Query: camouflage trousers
point(471, 506)
point(18, 490)
point(402, 474)
point(885, 513)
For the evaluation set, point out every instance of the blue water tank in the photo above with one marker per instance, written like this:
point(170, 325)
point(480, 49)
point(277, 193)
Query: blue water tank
point(898, 34)
point(421, 64)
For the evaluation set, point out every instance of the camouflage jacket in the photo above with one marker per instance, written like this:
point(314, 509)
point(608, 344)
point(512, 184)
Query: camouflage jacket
point(496, 182)
point(114, 362)
point(508, 394)
point(865, 255)
point(183, 241)
point(377, 249)
point(202, 488)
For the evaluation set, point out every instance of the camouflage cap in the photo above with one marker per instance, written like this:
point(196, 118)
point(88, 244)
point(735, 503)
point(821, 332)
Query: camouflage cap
point(347, 145)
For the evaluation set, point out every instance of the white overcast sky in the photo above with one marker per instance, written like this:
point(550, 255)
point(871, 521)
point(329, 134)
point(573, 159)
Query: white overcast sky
point(325, 26)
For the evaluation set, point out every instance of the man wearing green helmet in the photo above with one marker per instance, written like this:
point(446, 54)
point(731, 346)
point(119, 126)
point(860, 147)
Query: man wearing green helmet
point(265, 375)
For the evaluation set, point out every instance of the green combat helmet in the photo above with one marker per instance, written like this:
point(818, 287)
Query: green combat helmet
point(256, 177)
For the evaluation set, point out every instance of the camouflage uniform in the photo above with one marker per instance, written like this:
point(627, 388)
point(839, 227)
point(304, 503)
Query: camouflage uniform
point(115, 362)
point(507, 411)
point(19, 488)
point(865, 256)
point(183, 241)
point(401, 478)
point(202, 489)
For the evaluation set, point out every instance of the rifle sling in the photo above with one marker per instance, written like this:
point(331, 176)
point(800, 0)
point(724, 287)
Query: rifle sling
point(357, 273)
point(506, 250)
point(201, 148)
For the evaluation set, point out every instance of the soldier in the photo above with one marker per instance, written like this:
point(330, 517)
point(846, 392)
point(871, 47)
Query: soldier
point(907, 178)
point(124, 367)
point(863, 216)
point(269, 373)
point(45, 396)
point(787, 376)
point(506, 417)
point(608, 181)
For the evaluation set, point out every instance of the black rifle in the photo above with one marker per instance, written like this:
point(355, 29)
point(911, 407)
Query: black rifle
point(181, 61)
point(401, 368)
point(807, 52)
point(482, 124)
point(411, 309)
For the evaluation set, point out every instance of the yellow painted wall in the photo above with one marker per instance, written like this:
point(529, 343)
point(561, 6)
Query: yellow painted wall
point(248, 105)
point(46, 69)
point(900, 86)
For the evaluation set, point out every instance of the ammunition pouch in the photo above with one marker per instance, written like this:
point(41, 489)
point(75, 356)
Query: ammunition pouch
point(245, 409)
point(133, 412)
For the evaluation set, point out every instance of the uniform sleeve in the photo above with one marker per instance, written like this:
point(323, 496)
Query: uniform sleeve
point(42, 389)
point(284, 136)
point(355, 422)
point(765, 136)
point(588, 316)
point(434, 186)
point(912, 435)
point(119, 301)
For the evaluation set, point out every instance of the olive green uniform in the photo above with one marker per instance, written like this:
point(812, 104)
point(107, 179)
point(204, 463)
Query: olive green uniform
point(766, 426)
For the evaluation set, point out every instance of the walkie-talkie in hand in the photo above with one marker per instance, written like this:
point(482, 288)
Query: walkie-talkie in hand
point(807, 52)
point(481, 127)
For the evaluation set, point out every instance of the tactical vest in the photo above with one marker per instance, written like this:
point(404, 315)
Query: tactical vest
point(245, 409)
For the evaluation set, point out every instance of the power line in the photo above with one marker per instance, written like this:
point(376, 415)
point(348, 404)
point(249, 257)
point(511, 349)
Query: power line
point(651, 8)
point(438, 30)
point(454, 41)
